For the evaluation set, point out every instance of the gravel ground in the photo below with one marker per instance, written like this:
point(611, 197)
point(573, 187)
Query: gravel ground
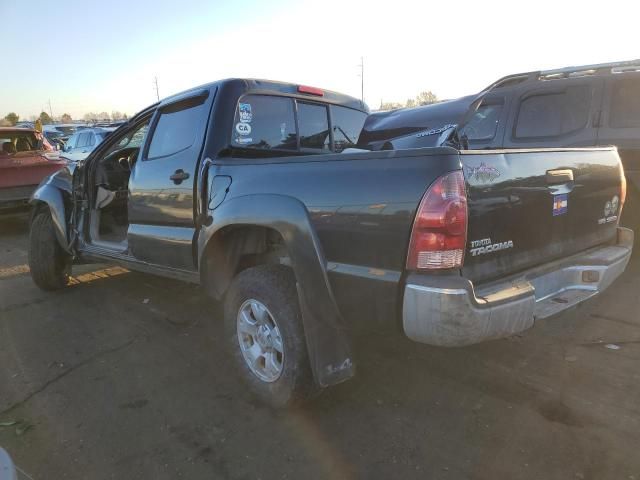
point(122, 376)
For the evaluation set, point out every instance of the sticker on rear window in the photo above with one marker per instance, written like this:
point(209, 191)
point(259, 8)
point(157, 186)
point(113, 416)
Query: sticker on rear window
point(560, 204)
point(243, 128)
point(245, 112)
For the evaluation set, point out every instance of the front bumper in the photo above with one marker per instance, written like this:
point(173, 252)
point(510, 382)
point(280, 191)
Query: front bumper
point(450, 311)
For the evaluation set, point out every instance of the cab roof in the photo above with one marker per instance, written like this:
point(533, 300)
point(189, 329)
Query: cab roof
point(598, 69)
point(272, 87)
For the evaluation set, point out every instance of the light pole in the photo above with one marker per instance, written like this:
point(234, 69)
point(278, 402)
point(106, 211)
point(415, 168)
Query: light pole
point(361, 79)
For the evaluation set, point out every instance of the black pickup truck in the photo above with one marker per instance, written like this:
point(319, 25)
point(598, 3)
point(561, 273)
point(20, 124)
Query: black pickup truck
point(253, 190)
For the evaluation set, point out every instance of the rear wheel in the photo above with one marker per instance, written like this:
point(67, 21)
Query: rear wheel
point(264, 332)
point(49, 264)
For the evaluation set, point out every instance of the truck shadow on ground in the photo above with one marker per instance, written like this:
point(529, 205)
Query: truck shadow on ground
point(147, 355)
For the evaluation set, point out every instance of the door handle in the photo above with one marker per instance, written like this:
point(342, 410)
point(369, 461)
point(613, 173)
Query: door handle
point(179, 176)
point(558, 177)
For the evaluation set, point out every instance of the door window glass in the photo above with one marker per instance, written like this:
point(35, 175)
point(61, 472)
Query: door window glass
point(484, 123)
point(129, 140)
point(553, 114)
point(313, 123)
point(625, 104)
point(177, 128)
point(347, 125)
point(265, 122)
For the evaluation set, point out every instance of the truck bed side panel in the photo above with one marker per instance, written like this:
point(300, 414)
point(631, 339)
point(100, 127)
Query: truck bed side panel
point(362, 206)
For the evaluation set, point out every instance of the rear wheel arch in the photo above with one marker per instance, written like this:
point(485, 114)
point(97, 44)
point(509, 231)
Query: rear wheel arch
point(327, 338)
point(235, 248)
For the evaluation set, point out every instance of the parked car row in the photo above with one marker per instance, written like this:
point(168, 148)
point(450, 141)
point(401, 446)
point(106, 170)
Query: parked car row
point(72, 139)
point(26, 158)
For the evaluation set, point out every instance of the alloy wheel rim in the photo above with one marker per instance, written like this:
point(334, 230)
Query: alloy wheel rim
point(260, 340)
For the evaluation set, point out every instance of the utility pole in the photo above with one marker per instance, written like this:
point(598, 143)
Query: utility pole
point(155, 82)
point(361, 79)
point(50, 111)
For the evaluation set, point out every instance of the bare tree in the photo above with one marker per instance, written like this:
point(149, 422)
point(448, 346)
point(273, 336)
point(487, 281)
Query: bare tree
point(45, 118)
point(390, 106)
point(426, 98)
point(12, 118)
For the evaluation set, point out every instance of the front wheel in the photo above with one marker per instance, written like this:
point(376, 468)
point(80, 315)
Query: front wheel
point(49, 264)
point(264, 332)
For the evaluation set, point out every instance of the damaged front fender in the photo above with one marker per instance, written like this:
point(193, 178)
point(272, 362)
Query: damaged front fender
point(52, 192)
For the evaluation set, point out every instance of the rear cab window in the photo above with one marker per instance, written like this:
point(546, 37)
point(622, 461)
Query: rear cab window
point(347, 124)
point(313, 126)
point(266, 122)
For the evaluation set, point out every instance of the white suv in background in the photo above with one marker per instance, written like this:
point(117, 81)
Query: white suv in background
point(82, 143)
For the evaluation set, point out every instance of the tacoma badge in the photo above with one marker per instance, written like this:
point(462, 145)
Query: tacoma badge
point(484, 246)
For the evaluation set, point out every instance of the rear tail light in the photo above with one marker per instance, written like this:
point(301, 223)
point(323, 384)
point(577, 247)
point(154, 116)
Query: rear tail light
point(623, 189)
point(439, 233)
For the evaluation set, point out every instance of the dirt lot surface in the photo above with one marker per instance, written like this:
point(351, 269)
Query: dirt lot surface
point(122, 376)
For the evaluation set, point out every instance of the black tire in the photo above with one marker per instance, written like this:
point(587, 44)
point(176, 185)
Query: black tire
point(275, 287)
point(49, 264)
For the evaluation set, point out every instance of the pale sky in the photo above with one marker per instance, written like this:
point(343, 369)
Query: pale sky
point(102, 56)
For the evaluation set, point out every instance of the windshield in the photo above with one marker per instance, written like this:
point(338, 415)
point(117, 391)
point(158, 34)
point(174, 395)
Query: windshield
point(67, 129)
point(53, 134)
point(15, 142)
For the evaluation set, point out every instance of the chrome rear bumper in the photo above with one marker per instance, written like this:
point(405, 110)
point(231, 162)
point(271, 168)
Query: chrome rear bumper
point(450, 311)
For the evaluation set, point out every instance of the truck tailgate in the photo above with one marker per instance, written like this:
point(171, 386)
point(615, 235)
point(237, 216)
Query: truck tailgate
point(530, 207)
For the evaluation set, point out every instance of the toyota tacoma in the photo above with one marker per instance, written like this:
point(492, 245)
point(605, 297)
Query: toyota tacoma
point(255, 191)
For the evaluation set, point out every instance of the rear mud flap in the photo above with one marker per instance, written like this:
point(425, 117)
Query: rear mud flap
point(328, 344)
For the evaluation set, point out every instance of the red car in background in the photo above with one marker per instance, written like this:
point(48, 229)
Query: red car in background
point(26, 158)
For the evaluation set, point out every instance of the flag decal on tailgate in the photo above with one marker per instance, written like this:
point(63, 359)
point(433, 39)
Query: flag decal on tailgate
point(560, 204)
